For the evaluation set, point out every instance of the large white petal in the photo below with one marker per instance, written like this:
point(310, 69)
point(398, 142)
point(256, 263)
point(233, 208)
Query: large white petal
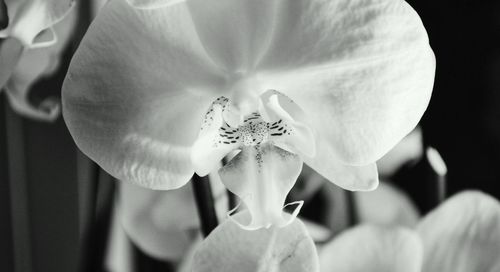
point(230, 248)
point(375, 249)
point(28, 18)
point(462, 235)
point(361, 70)
point(136, 93)
point(164, 224)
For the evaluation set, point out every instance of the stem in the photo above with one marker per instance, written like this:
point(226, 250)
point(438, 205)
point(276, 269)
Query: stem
point(351, 208)
point(205, 203)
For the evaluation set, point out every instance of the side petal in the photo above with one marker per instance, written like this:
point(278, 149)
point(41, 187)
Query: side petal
point(293, 135)
point(136, 91)
point(164, 224)
point(229, 248)
point(262, 178)
point(376, 249)
point(210, 148)
point(235, 33)
point(363, 72)
point(27, 19)
point(462, 234)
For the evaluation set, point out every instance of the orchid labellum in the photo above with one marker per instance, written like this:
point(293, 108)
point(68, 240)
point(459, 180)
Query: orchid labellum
point(31, 44)
point(334, 84)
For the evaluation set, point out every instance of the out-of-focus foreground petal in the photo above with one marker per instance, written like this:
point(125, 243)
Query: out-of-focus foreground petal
point(374, 249)
point(462, 235)
point(230, 248)
point(152, 4)
point(164, 224)
point(362, 70)
point(28, 18)
point(136, 92)
point(262, 177)
point(386, 206)
point(33, 65)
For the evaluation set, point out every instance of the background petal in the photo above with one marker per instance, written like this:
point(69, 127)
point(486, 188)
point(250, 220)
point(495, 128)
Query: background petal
point(136, 93)
point(374, 249)
point(27, 18)
point(362, 70)
point(34, 64)
point(462, 234)
point(10, 53)
point(164, 224)
point(230, 248)
point(386, 206)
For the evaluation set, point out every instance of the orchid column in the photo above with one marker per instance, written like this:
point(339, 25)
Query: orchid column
point(360, 75)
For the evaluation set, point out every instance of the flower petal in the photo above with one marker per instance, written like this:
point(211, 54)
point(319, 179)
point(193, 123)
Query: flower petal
point(375, 249)
point(229, 248)
point(262, 177)
point(299, 138)
point(152, 4)
point(164, 224)
point(208, 151)
point(235, 33)
point(462, 234)
point(353, 178)
point(28, 18)
point(362, 70)
point(386, 206)
point(136, 92)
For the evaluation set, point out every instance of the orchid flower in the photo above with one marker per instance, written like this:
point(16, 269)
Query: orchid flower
point(30, 49)
point(140, 84)
point(461, 235)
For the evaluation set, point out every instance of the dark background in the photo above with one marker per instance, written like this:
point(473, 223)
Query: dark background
point(41, 184)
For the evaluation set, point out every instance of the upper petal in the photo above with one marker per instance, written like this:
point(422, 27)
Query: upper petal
point(230, 248)
point(28, 18)
point(374, 249)
point(362, 71)
point(462, 234)
point(235, 33)
point(152, 4)
point(136, 92)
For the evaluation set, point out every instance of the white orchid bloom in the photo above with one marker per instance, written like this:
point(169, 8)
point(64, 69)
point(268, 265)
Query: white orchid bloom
point(33, 42)
point(461, 235)
point(138, 88)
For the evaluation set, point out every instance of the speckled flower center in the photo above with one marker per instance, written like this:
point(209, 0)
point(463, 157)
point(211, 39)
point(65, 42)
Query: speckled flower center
point(254, 131)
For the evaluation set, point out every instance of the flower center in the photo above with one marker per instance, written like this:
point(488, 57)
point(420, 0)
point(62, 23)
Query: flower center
point(254, 130)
